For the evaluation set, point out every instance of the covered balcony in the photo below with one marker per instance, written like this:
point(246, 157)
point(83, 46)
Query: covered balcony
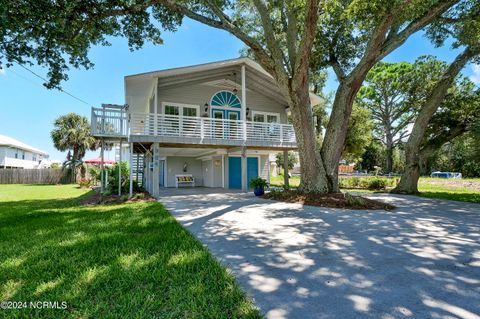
point(187, 130)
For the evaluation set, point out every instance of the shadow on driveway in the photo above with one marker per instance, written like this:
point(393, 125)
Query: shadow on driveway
point(421, 260)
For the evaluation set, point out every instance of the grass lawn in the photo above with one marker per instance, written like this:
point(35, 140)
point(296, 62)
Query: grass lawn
point(112, 261)
point(465, 190)
point(433, 188)
point(294, 181)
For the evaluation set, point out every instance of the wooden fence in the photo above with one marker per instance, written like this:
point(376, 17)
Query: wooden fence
point(35, 176)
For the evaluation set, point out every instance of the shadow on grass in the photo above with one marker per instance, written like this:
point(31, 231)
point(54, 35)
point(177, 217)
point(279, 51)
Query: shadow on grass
point(130, 260)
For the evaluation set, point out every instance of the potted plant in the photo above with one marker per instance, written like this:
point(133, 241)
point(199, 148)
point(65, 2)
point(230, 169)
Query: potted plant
point(258, 184)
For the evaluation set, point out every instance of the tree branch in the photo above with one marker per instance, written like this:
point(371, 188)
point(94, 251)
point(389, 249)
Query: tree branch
point(291, 35)
point(396, 40)
point(430, 146)
point(336, 68)
point(308, 38)
point(272, 44)
point(226, 24)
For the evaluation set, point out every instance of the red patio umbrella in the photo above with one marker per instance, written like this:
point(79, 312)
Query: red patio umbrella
point(98, 161)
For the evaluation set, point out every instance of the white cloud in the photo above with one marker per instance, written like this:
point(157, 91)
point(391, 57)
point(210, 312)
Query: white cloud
point(2, 71)
point(475, 77)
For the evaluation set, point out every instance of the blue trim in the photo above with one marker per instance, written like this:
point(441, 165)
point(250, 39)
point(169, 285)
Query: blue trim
point(225, 99)
point(214, 110)
point(227, 114)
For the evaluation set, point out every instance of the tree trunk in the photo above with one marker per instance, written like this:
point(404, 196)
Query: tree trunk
point(74, 160)
point(313, 178)
point(389, 147)
point(409, 180)
point(334, 141)
point(389, 159)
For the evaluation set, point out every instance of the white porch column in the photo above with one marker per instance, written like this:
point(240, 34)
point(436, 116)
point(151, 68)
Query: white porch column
point(285, 169)
point(120, 169)
point(223, 171)
point(130, 159)
point(155, 107)
point(146, 172)
point(156, 170)
point(102, 177)
point(244, 169)
point(244, 105)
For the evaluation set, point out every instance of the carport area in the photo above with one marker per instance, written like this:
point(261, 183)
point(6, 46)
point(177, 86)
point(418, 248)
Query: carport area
point(421, 260)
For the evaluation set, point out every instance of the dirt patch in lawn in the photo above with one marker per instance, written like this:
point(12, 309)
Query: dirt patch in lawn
point(99, 199)
point(338, 200)
point(453, 183)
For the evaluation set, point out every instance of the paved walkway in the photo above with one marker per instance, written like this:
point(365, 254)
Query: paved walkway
point(421, 260)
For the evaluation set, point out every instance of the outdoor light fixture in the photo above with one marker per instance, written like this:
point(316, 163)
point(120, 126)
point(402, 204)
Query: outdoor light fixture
point(235, 91)
point(206, 107)
point(248, 111)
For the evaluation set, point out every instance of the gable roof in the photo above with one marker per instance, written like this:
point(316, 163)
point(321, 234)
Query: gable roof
point(11, 142)
point(201, 67)
point(262, 75)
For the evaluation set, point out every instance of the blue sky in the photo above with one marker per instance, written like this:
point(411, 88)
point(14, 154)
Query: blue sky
point(27, 109)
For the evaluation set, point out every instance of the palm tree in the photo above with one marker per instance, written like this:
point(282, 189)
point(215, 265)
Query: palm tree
point(72, 132)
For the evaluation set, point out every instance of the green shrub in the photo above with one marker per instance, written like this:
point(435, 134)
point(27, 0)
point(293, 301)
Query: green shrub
point(377, 184)
point(85, 182)
point(258, 182)
point(113, 180)
point(139, 196)
point(94, 173)
point(367, 182)
point(354, 200)
point(355, 181)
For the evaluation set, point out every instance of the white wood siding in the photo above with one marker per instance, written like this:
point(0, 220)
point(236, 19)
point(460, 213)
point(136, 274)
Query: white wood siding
point(25, 159)
point(175, 167)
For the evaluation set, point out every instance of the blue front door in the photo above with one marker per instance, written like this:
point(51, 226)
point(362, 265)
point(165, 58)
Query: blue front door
point(252, 169)
point(235, 171)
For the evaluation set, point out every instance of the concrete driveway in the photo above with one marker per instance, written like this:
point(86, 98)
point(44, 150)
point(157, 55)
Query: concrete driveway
point(421, 260)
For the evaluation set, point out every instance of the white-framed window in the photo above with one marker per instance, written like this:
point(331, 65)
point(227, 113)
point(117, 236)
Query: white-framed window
point(265, 117)
point(171, 108)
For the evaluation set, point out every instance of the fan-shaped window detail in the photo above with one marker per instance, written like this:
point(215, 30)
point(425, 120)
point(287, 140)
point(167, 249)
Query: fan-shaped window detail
point(225, 99)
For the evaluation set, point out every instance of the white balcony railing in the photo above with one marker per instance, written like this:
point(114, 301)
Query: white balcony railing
point(109, 122)
point(114, 123)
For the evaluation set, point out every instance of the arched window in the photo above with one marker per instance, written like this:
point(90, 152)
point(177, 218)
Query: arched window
point(225, 99)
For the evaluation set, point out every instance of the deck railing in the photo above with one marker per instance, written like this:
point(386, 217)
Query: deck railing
point(109, 122)
point(114, 123)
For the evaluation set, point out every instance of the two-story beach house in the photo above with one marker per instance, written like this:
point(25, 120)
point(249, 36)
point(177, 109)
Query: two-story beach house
point(15, 154)
point(210, 125)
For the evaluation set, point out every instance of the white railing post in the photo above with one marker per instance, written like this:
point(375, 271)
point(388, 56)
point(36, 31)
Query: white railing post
point(244, 105)
point(128, 118)
point(199, 127)
point(103, 119)
point(281, 134)
point(93, 127)
point(121, 123)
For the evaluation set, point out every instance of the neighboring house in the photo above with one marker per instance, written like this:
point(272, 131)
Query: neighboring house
point(15, 154)
point(218, 122)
